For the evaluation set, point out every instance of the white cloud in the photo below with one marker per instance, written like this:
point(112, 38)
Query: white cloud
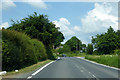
point(76, 28)
point(8, 4)
point(5, 25)
point(96, 21)
point(69, 31)
point(36, 3)
point(100, 18)
point(64, 24)
point(64, 21)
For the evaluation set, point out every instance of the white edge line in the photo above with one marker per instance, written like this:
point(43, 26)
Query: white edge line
point(40, 69)
point(94, 76)
point(99, 63)
point(29, 77)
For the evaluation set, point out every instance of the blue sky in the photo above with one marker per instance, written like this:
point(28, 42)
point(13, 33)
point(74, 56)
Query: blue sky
point(81, 19)
point(73, 11)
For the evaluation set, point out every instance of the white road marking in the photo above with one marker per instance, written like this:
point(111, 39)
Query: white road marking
point(82, 69)
point(40, 70)
point(79, 68)
point(94, 76)
point(88, 72)
point(99, 63)
point(29, 77)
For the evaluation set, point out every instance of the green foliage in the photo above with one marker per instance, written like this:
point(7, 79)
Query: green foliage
point(49, 53)
point(74, 43)
point(39, 27)
point(111, 60)
point(39, 49)
point(77, 54)
point(89, 49)
point(118, 39)
point(65, 49)
point(107, 42)
point(117, 52)
point(83, 48)
point(19, 50)
point(0, 48)
point(95, 52)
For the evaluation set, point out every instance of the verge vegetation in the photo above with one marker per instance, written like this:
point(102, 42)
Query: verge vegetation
point(19, 50)
point(110, 60)
point(28, 69)
point(28, 41)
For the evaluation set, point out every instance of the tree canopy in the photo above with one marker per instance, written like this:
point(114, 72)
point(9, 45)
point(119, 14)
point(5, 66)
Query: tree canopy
point(74, 43)
point(107, 42)
point(39, 26)
point(89, 49)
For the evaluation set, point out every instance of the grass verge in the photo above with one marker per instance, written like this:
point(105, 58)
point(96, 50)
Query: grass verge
point(110, 60)
point(29, 68)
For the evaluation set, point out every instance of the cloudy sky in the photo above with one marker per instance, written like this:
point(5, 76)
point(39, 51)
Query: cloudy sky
point(81, 19)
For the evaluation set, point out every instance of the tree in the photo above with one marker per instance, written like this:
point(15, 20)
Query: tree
point(74, 43)
point(38, 26)
point(83, 47)
point(65, 49)
point(118, 39)
point(105, 43)
point(59, 38)
point(89, 49)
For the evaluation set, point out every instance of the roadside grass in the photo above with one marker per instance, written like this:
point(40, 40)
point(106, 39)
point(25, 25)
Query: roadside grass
point(29, 68)
point(110, 60)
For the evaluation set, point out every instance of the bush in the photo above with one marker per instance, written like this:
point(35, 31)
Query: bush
point(95, 52)
point(117, 51)
point(89, 49)
point(39, 49)
point(19, 50)
point(65, 49)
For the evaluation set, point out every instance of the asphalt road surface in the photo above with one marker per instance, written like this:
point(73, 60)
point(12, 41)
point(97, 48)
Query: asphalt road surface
point(71, 67)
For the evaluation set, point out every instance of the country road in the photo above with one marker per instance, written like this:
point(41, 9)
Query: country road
point(71, 67)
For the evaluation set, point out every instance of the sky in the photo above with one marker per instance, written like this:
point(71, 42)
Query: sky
point(80, 19)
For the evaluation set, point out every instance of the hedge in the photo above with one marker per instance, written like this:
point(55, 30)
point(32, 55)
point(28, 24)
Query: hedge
point(19, 50)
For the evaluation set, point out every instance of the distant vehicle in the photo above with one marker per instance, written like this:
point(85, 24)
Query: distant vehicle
point(63, 55)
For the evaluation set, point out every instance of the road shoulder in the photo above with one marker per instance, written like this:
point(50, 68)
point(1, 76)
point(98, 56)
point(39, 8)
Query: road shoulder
point(25, 72)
